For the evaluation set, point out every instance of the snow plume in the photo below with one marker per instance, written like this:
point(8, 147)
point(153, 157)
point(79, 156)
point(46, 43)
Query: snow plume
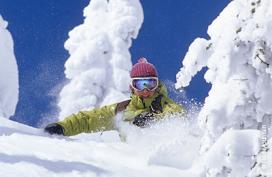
point(99, 62)
point(238, 58)
point(9, 84)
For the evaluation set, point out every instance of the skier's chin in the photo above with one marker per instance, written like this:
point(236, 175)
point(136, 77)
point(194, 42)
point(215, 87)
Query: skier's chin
point(147, 95)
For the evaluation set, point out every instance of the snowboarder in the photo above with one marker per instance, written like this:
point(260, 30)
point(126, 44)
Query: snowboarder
point(149, 102)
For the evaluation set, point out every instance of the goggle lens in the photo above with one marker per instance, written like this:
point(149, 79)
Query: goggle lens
point(145, 83)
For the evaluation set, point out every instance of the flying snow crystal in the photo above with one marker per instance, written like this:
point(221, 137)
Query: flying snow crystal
point(238, 57)
point(99, 62)
point(9, 84)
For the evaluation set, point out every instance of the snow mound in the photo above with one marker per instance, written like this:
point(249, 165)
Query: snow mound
point(233, 154)
point(9, 84)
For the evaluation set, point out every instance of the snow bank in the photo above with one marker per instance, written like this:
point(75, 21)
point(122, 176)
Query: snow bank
point(9, 84)
point(239, 64)
point(233, 154)
point(99, 62)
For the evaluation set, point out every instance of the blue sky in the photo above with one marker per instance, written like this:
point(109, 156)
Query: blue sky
point(40, 28)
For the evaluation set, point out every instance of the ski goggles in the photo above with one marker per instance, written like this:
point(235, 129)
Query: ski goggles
point(141, 83)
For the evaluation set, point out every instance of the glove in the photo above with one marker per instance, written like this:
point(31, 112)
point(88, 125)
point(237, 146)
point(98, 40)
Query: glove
point(54, 128)
point(143, 119)
point(156, 106)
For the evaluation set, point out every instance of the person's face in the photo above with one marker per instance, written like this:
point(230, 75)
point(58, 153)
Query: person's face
point(144, 86)
point(145, 93)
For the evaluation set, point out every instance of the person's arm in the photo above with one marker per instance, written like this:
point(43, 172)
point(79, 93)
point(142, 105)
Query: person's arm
point(98, 119)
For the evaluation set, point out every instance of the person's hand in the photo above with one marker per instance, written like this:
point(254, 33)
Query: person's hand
point(143, 119)
point(54, 128)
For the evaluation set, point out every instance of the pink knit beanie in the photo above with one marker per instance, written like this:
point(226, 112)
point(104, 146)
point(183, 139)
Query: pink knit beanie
point(143, 69)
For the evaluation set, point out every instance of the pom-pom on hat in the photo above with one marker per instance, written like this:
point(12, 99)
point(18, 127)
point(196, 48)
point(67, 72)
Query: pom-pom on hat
point(143, 69)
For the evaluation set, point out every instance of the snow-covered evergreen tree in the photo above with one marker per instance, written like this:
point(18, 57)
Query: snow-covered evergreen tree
point(99, 62)
point(238, 58)
point(9, 84)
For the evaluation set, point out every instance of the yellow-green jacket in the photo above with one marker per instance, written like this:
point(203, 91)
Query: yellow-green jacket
point(101, 119)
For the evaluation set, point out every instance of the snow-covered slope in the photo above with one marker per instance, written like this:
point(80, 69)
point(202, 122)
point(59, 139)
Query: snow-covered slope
point(239, 67)
point(9, 84)
point(26, 151)
point(169, 148)
point(99, 62)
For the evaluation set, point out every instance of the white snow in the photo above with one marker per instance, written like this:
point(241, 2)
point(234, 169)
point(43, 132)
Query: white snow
point(233, 154)
point(169, 148)
point(99, 63)
point(9, 84)
point(238, 58)
point(147, 152)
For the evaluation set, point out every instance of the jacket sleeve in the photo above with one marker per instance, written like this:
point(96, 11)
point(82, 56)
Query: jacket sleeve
point(98, 119)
